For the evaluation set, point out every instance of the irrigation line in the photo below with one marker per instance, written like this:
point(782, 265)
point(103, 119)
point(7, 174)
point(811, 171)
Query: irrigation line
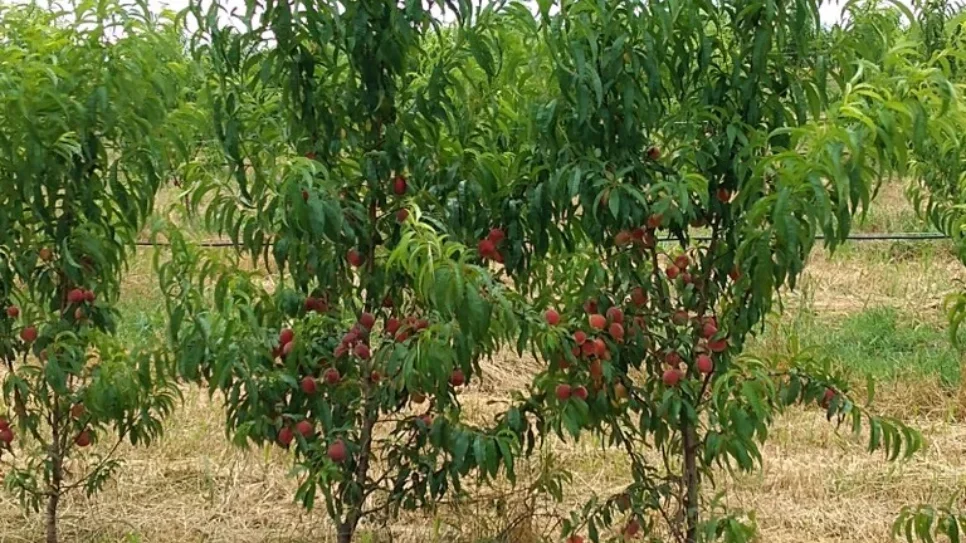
point(886, 236)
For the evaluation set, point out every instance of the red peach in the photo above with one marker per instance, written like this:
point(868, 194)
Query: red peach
point(337, 451)
point(308, 385)
point(399, 185)
point(704, 364)
point(562, 392)
point(28, 334)
point(638, 296)
point(553, 318)
point(75, 296)
point(615, 314)
point(305, 428)
point(83, 439)
point(597, 321)
point(354, 258)
point(671, 377)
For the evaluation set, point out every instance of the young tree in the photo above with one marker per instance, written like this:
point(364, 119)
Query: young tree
point(935, 40)
point(690, 156)
point(343, 157)
point(85, 103)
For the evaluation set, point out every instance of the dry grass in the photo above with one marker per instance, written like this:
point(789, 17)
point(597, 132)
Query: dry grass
point(816, 485)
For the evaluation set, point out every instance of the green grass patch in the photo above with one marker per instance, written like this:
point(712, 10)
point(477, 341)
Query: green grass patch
point(881, 342)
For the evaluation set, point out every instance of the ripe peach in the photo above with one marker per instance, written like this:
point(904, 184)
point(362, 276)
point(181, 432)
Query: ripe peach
point(285, 436)
point(402, 215)
point(83, 439)
point(13, 312)
point(680, 317)
point(638, 296)
point(620, 391)
point(600, 348)
point(828, 397)
point(308, 385)
point(337, 451)
point(615, 314)
point(597, 321)
point(671, 377)
point(653, 153)
point(562, 392)
point(496, 235)
point(367, 320)
point(580, 337)
point(718, 345)
point(672, 358)
point(305, 428)
point(486, 248)
point(682, 261)
point(28, 334)
point(708, 329)
point(553, 318)
point(704, 364)
point(354, 258)
point(331, 376)
point(399, 185)
point(75, 296)
point(286, 336)
point(632, 528)
point(616, 331)
point(672, 272)
point(580, 393)
point(457, 378)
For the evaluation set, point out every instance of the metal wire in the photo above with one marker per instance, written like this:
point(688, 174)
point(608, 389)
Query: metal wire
point(884, 236)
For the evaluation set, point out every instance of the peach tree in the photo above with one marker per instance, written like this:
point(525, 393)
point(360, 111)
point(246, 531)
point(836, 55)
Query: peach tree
point(687, 159)
point(83, 148)
point(935, 40)
point(351, 313)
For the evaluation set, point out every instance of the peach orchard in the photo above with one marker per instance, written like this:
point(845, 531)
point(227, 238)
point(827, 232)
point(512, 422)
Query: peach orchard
point(620, 190)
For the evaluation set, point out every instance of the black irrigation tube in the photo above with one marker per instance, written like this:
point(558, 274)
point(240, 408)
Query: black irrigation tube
point(891, 236)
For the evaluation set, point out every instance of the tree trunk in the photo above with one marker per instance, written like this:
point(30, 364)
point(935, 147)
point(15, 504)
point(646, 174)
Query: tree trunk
point(348, 527)
point(57, 476)
point(691, 480)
